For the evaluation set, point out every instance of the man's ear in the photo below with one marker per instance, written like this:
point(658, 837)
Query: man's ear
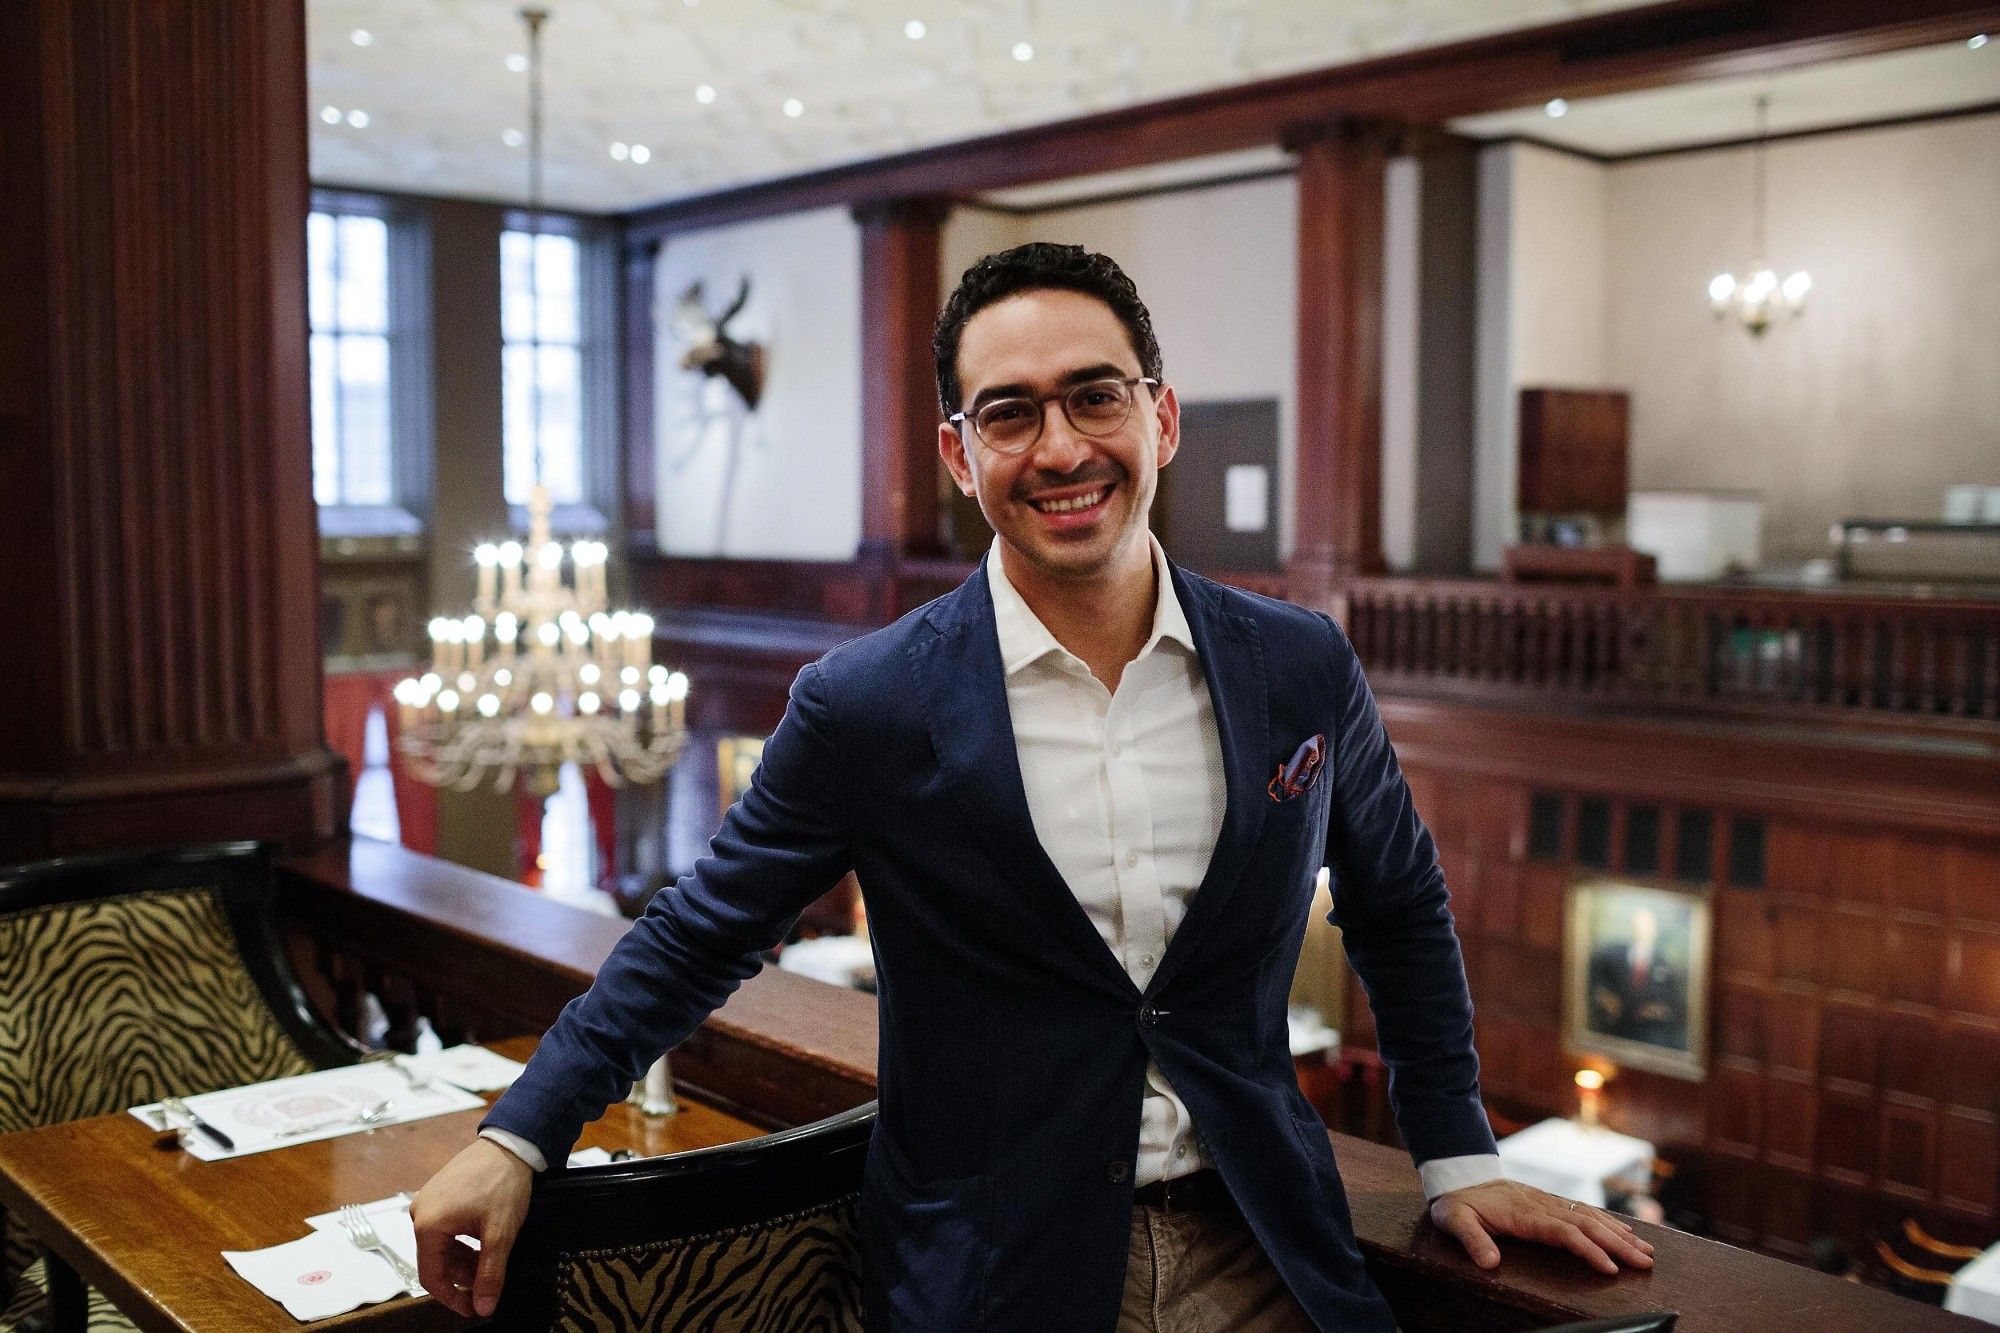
point(951, 448)
point(1167, 415)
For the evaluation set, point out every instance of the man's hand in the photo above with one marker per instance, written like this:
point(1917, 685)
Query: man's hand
point(1478, 1213)
point(483, 1192)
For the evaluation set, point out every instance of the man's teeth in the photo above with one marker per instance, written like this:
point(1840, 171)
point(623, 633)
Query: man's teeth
point(1073, 504)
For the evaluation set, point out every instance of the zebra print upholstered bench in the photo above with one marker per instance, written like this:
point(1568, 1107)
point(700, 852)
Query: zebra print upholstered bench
point(752, 1237)
point(126, 977)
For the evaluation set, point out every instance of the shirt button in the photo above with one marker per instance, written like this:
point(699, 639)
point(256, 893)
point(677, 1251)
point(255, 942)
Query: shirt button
point(1181, 1151)
point(1145, 960)
point(1118, 1172)
point(1132, 858)
point(1116, 749)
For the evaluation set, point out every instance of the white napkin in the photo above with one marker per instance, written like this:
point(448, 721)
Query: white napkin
point(323, 1274)
point(473, 1068)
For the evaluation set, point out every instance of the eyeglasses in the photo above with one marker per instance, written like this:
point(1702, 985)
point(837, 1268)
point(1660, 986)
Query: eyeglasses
point(1095, 407)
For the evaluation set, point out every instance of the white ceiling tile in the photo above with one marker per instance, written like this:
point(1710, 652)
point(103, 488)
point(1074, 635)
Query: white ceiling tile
point(435, 83)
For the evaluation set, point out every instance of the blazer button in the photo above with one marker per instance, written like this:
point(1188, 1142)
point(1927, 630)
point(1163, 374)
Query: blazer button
point(1118, 1172)
point(1148, 1015)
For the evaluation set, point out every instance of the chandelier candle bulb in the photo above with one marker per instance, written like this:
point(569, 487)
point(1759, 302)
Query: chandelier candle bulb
point(487, 557)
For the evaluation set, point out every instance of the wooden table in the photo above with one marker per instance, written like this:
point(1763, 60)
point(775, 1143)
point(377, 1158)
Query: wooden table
point(146, 1223)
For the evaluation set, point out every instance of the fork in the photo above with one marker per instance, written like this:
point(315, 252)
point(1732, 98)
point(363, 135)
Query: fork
point(362, 1233)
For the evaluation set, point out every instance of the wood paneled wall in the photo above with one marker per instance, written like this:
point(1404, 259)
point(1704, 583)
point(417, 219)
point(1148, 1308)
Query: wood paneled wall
point(1854, 1056)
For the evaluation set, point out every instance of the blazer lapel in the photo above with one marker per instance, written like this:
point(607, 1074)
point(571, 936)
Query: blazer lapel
point(1232, 661)
point(960, 679)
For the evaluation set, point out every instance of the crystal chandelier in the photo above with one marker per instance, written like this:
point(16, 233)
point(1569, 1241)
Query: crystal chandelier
point(1757, 296)
point(541, 673)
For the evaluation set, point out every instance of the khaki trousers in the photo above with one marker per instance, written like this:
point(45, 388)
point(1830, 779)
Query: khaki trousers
point(1200, 1270)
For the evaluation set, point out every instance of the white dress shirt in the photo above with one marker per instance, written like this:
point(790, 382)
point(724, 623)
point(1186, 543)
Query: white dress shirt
point(1127, 793)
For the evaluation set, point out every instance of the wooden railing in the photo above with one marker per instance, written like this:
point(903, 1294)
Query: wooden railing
point(1706, 649)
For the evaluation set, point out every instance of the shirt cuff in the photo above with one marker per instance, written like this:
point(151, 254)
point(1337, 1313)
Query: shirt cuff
point(532, 1155)
point(1442, 1175)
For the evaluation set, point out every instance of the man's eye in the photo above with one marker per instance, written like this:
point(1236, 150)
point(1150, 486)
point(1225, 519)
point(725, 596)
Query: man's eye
point(1002, 414)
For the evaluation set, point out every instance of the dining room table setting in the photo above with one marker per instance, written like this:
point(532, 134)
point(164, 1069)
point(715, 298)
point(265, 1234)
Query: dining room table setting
point(286, 1202)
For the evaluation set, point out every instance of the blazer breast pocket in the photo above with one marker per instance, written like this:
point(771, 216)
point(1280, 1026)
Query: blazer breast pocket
point(1299, 774)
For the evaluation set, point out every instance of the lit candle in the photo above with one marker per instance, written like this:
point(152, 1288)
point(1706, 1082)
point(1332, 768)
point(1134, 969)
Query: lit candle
point(475, 639)
point(488, 559)
point(1589, 1087)
point(677, 693)
point(510, 570)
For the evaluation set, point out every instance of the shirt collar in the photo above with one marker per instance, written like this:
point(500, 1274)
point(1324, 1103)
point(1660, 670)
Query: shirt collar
point(1024, 639)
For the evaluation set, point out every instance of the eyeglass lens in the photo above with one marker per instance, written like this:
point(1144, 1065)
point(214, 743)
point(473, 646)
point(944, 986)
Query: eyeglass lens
point(1095, 408)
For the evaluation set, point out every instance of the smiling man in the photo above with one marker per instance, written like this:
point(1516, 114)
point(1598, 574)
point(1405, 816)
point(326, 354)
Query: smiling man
point(1087, 795)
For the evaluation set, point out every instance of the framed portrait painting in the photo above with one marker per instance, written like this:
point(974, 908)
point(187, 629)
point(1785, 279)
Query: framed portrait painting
point(1636, 975)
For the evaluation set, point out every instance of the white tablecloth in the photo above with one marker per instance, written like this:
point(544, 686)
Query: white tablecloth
point(1975, 1289)
point(1563, 1157)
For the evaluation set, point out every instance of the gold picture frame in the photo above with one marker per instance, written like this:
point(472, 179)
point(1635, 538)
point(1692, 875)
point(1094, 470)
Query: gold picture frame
point(736, 760)
point(1636, 969)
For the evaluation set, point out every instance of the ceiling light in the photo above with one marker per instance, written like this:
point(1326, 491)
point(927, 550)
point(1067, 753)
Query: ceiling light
point(517, 63)
point(513, 138)
point(358, 119)
point(330, 114)
point(641, 154)
point(1024, 52)
point(1756, 296)
point(704, 93)
point(1557, 108)
point(619, 152)
point(361, 37)
point(794, 107)
point(915, 30)
point(1976, 42)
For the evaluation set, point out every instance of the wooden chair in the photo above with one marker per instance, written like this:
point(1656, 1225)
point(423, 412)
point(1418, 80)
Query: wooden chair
point(127, 977)
point(749, 1237)
point(1912, 1280)
point(1925, 1241)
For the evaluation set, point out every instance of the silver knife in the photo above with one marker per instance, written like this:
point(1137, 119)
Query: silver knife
point(214, 1135)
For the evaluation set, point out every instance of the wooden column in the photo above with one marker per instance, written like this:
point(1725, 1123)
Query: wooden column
point(158, 542)
point(1338, 495)
point(900, 298)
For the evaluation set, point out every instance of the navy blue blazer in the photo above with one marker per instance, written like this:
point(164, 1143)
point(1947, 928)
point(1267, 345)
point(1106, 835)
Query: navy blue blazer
point(998, 1187)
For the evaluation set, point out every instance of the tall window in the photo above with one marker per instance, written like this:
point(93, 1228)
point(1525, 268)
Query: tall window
point(348, 293)
point(541, 324)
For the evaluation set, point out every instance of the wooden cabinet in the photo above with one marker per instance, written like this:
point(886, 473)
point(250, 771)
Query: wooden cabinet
point(1573, 451)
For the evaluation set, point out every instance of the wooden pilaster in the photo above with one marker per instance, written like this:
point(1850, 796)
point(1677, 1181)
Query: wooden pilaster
point(900, 298)
point(159, 557)
point(1338, 497)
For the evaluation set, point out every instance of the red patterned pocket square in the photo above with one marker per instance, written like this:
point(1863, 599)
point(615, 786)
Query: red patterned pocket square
point(1297, 775)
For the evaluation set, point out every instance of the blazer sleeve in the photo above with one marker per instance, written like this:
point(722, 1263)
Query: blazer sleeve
point(1390, 902)
point(781, 846)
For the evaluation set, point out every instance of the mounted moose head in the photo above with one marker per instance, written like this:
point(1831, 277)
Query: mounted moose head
point(712, 351)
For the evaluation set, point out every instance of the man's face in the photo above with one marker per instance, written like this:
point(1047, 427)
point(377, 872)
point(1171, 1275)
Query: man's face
point(1037, 343)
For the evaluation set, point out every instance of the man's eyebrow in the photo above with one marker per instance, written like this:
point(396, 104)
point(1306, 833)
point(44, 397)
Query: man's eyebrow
point(1103, 370)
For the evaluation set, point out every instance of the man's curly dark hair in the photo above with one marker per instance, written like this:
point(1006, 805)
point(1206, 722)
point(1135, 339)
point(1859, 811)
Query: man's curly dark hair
point(1039, 266)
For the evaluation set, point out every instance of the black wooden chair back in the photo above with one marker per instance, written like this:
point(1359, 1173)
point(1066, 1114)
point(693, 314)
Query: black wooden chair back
point(753, 1237)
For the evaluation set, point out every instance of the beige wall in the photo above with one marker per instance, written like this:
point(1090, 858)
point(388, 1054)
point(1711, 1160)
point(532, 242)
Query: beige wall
point(1884, 392)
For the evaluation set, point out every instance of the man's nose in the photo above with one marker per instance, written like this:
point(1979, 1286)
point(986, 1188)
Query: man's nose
point(1061, 447)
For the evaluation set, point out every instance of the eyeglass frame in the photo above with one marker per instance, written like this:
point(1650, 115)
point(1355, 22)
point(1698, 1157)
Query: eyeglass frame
point(1061, 396)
